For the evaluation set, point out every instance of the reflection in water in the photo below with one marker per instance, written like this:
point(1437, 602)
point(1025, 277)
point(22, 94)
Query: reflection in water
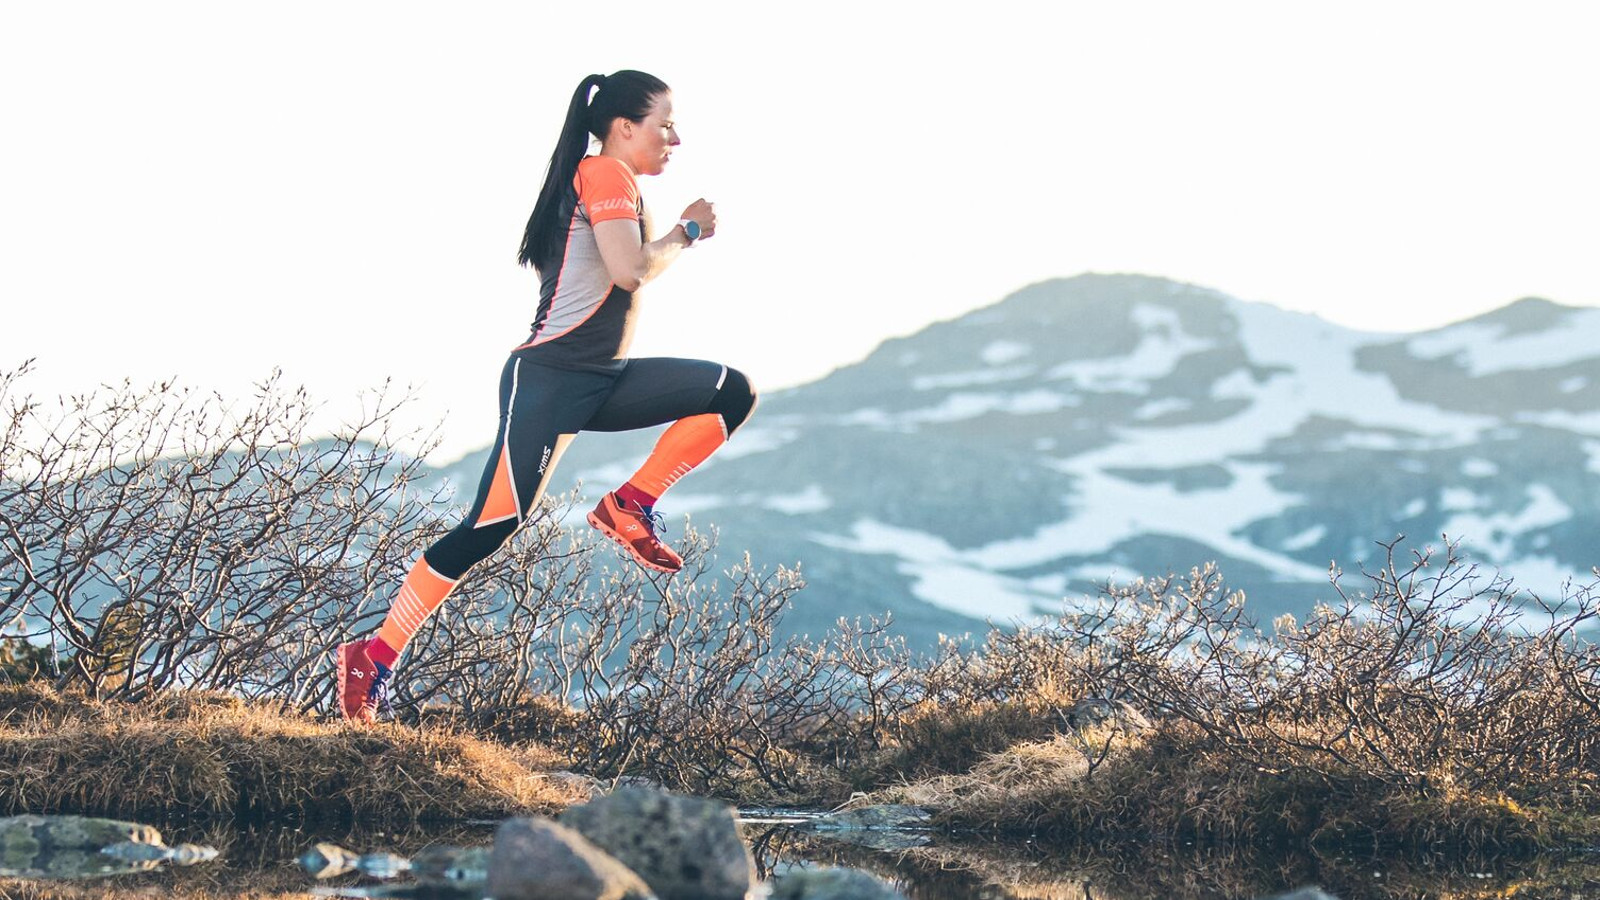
point(253, 862)
point(258, 862)
point(979, 869)
point(67, 847)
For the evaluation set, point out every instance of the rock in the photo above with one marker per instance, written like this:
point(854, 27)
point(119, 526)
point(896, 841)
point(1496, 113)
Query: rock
point(537, 859)
point(328, 861)
point(1305, 893)
point(832, 884)
point(685, 848)
point(445, 865)
point(887, 816)
point(69, 846)
point(191, 854)
point(638, 781)
point(64, 863)
point(384, 865)
point(591, 787)
point(1096, 711)
point(181, 855)
point(132, 851)
point(73, 831)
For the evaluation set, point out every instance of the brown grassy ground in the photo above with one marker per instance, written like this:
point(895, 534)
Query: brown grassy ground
point(1172, 785)
point(210, 756)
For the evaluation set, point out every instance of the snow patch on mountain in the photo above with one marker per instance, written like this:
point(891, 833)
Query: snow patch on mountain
point(1547, 577)
point(1155, 409)
point(811, 500)
point(1163, 343)
point(970, 378)
point(1582, 423)
point(940, 574)
point(1493, 537)
point(1107, 510)
point(1305, 539)
point(998, 353)
point(1372, 440)
point(750, 441)
point(1483, 348)
point(957, 407)
point(1317, 375)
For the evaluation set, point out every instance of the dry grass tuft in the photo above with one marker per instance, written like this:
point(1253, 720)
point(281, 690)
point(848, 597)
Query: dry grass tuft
point(1175, 784)
point(945, 738)
point(212, 756)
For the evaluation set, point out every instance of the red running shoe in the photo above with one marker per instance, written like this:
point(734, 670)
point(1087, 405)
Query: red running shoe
point(360, 682)
point(633, 528)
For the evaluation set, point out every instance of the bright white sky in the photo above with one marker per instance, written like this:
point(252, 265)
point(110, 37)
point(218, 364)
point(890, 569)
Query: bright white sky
point(210, 190)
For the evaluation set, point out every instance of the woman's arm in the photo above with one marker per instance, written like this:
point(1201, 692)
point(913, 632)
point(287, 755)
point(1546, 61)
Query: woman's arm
point(631, 262)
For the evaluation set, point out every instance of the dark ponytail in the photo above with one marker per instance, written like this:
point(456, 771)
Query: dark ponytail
point(626, 94)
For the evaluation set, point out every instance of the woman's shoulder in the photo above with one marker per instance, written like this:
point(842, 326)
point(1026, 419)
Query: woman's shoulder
point(604, 166)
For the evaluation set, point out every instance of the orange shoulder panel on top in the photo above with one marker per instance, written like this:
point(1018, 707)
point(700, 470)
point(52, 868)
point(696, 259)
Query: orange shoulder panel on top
point(607, 189)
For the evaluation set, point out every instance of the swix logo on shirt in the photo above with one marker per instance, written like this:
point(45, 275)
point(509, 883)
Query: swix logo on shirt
point(544, 461)
point(612, 203)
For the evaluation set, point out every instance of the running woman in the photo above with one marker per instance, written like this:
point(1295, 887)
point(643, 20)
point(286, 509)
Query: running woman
point(588, 238)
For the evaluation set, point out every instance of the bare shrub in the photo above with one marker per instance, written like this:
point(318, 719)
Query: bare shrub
point(161, 538)
point(1434, 677)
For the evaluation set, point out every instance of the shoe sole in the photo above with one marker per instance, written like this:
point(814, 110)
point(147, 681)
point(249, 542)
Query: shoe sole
point(608, 531)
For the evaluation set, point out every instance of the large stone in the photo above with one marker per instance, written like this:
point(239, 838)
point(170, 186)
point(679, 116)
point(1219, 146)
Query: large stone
point(685, 848)
point(832, 884)
point(1092, 711)
point(537, 859)
point(1305, 893)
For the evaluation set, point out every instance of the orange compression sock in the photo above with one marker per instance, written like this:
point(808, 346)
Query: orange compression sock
point(423, 591)
point(682, 447)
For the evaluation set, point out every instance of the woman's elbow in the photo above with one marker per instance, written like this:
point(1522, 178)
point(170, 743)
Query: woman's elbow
point(629, 278)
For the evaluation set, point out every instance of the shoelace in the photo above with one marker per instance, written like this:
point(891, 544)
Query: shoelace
point(378, 694)
point(655, 522)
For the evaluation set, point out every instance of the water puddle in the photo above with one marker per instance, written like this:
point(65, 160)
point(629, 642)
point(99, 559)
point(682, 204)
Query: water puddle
point(921, 863)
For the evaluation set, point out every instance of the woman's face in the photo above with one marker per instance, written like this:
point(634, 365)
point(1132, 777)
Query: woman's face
point(647, 145)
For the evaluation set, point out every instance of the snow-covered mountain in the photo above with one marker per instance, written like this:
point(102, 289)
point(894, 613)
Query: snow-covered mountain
point(1111, 426)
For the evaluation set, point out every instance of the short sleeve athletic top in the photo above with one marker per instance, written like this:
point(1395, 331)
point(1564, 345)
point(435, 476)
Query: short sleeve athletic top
point(584, 321)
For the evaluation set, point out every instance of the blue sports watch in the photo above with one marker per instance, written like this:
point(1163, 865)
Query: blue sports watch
point(691, 229)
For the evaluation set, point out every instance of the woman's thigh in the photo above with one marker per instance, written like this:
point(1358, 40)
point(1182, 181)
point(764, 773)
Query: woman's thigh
point(657, 390)
point(541, 408)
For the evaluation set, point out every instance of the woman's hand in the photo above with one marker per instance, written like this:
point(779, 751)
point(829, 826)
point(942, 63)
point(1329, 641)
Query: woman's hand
point(705, 213)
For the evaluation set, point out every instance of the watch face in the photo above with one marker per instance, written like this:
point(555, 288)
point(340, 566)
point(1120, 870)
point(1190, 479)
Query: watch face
point(692, 229)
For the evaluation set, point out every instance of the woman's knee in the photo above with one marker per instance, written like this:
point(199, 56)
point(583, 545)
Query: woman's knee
point(465, 546)
point(735, 400)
